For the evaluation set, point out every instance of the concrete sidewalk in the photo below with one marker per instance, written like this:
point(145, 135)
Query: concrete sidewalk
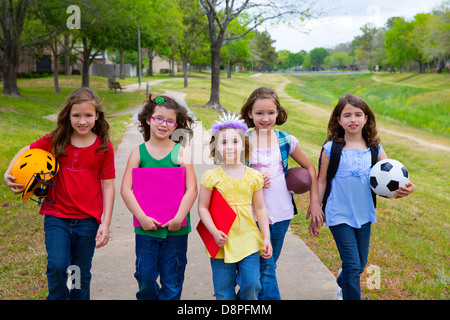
point(301, 275)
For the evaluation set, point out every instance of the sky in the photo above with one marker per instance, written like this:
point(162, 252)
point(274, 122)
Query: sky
point(343, 22)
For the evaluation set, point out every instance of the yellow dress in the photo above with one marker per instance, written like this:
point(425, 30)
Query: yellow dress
point(244, 237)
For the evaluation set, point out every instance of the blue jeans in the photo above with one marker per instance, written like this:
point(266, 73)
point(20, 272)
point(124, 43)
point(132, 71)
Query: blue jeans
point(353, 246)
point(244, 273)
point(277, 233)
point(269, 284)
point(69, 242)
point(165, 258)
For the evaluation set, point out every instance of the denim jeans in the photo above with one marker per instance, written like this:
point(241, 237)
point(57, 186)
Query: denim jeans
point(244, 273)
point(165, 258)
point(69, 242)
point(277, 233)
point(269, 284)
point(353, 246)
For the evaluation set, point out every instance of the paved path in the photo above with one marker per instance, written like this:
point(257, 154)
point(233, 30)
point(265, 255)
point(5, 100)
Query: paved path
point(301, 275)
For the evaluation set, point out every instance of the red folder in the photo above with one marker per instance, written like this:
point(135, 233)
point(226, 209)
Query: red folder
point(159, 192)
point(223, 217)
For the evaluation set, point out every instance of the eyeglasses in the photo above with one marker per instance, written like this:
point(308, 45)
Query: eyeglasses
point(159, 120)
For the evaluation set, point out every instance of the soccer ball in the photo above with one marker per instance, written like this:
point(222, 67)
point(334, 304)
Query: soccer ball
point(386, 176)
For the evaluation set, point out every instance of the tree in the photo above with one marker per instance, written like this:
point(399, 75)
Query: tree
point(221, 13)
point(338, 60)
point(295, 60)
point(13, 44)
point(417, 39)
point(437, 46)
point(364, 44)
point(189, 34)
point(317, 57)
point(264, 51)
point(396, 43)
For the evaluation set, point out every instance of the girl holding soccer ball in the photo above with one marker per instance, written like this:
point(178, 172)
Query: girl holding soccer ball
point(350, 208)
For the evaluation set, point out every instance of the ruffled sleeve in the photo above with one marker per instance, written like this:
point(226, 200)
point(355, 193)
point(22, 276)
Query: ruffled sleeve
point(258, 181)
point(293, 144)
point(209, 179)
point(327, 148)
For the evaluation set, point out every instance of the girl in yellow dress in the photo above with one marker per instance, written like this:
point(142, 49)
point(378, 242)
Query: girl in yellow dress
point(237, 261)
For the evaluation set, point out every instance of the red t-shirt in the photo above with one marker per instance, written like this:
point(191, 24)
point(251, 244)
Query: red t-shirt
point(78, 182)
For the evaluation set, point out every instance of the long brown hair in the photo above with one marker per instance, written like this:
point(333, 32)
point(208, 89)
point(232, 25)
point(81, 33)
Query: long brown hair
point(60, 137)
point(263, 93)
point(369, 131)
point(184, 121)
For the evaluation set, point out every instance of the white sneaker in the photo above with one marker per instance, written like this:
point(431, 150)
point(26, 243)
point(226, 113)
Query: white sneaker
point(338, 291)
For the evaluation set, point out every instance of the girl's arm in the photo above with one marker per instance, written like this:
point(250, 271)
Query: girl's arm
point(321, 186)
point(263, 221)
point(401, 191)
point(9, 179)
point(314, 209)
point(191, 192)
point(126, 190)
point(204, 199)
point(108, 189)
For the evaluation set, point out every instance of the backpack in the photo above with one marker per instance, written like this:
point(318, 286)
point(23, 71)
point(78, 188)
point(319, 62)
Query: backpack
point(335, 157)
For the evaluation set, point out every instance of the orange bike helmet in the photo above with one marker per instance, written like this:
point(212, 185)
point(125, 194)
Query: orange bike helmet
point(35, 169)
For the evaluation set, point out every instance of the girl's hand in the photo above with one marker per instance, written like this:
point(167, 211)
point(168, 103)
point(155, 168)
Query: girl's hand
point(173, 225)
point(266, 177)
point(9, 179)
point(220, 237)
point(102, 235)
point(404, 191)
point(317, 219)
point(149, 224)
point(267, 247)
point(313, 229)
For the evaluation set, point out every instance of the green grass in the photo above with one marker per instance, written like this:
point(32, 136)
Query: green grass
point(426, 107)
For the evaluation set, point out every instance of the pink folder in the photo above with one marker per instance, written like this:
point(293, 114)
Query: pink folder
point(159, 192)
point(222, 215)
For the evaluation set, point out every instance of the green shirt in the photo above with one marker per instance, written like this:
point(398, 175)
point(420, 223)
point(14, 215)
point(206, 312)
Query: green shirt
point(147, 161)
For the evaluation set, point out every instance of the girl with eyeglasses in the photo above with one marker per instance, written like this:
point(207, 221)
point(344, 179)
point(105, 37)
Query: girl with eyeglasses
point(161, 248)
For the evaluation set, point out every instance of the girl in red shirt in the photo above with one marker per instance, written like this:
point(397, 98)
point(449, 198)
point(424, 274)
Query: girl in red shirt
point(82, 192)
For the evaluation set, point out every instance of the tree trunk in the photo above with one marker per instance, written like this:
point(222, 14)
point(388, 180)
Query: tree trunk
point(55, 73)
point(214, 99)
point(229, 69)
point(85, 64)
point(66, 54)
point(85, 74)
point(10, 80)
point(121, 73)
point(185, 73)
point(150, 62)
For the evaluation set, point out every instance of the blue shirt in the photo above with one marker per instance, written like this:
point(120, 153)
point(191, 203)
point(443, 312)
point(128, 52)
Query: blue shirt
point(350, 199)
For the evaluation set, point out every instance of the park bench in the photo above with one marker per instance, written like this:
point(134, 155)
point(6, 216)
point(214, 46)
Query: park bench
point(115, 85)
